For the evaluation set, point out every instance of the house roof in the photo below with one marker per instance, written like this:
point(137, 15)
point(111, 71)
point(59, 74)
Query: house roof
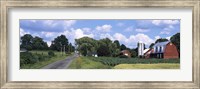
point(146, 50)
point(158, 45)
point(125, 51)
point(161, 43)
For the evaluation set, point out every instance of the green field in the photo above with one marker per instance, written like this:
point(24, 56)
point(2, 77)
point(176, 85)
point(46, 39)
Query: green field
point(123, 63)
point(148, 66)
point(40, 58)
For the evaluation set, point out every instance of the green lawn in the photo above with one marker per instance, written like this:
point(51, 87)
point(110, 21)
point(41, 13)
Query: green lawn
point(148, 66)
point(86, 63)
point(48, 60)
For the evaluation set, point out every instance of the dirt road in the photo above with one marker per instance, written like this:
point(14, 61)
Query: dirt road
point(62, 64)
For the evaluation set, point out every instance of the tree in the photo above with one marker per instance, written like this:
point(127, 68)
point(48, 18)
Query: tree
point(133, 53)
point(70, 48)
point(39, 44)
point(86, 45)
point(151, 45)
point(161, 40)
point(117, 44)
point(26, 42)
point(175, 39)
point(122, 47)
point(103, 50)
point(59, 43)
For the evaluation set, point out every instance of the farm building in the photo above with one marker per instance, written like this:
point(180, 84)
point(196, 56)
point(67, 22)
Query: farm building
point(164, 50)
point(126, 53)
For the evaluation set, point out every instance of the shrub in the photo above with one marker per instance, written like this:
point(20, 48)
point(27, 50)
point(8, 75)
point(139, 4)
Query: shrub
point(51, 53)
point(28, 58)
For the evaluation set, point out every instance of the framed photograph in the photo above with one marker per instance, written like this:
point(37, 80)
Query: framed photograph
point(100, 44)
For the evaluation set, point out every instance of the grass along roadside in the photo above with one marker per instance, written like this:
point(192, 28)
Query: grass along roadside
point(85, 63)
point(148, 66)
point(47, 60)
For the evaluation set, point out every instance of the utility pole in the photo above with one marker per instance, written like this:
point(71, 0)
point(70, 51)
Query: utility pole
point(61, 48)
point(64, 49)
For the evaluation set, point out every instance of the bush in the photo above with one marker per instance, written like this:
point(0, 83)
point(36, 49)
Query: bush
point(51, 53)
point(28, 58)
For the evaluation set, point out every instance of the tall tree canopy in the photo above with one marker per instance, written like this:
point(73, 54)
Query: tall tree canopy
point(117, 44)
point(123, 47)
point(26, 42)
point(86, 45)
point(39, 44)
point(59, 43)
point(33, 43)
point(175, 39)
point(151, 45)
point(161, 40)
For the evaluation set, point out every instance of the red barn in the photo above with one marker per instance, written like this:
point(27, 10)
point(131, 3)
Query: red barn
point(164, 50)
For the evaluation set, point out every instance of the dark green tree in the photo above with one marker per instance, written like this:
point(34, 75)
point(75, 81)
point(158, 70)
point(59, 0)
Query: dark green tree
point(26, 42)
point(151, 45)
point(117, 44)
point(122, 47)
point(175, 39)
point(133, 53)
point(103, 50)
point(59, 42)
point(161, 40)
point(39, 44)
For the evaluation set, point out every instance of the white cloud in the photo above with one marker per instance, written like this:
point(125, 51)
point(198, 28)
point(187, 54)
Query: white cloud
point(50, 23)
point(129, 29)
point(156, 22)
point(87, 30)
point(165, 31)
point(171, 26)
point(142, 30)
point(168, 37)
point(22, 32)
point(143, 38)
point(104, 28)
point(107, 35)
point(157, 37)
point(169, 22)
point(78, 33)
point(68, 23)
point(120, 24)
point(119, 36)
point(134, 39)
point(48, 34)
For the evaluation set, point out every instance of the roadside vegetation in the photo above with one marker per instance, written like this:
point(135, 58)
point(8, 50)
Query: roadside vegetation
point(35, 53)
point(87, 63)
point(39, 59)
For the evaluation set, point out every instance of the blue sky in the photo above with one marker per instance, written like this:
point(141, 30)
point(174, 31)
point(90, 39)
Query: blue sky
point(128, 32)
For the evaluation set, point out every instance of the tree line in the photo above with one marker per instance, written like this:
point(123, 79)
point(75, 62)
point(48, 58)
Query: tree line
point(36, 43)
point(87, 46)
point(105, 47)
